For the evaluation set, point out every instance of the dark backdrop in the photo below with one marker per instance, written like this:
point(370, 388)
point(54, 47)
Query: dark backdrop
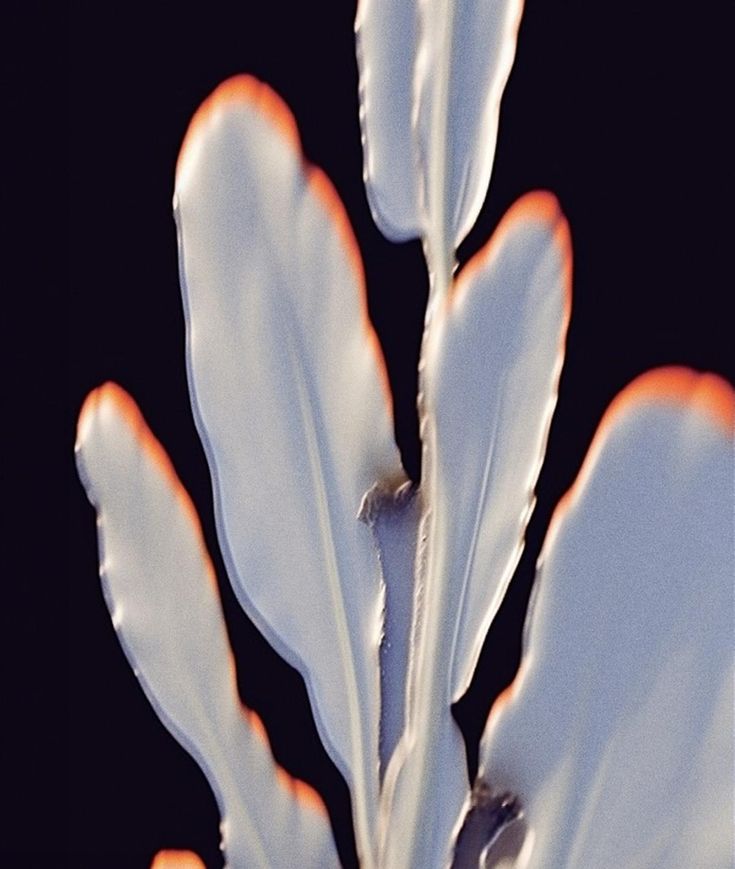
point(620, 112)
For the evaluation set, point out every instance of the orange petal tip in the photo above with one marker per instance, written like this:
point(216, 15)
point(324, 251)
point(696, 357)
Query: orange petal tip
point(302, 792)
point(538, 206)
point(706, 393)
point(172, 859)
point(109, 395)
point(111, 398)
point(245, 90)
point(240, 90)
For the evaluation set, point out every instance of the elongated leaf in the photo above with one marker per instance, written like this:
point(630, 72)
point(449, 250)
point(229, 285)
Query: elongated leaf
point(431, 78)
point(285, 378)
point(161, 591)
point(617, 735)
point(492, 362)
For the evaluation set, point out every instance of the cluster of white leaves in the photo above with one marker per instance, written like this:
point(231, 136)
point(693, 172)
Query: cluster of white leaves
point(614, 746)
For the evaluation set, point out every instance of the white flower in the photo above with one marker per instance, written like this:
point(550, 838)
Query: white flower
point(291, 401)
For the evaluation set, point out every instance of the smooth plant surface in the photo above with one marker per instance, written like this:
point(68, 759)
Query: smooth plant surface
point(618, 731)
point(380, 594)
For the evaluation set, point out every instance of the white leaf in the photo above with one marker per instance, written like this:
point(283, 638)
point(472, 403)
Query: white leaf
point(432, 75)
point(617, 734)
point(493, 357)
point(285, 376)
point(160, 587)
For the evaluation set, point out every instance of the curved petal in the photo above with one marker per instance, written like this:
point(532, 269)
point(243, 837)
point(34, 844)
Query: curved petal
point(617, 734)
point(160, 588)
point(285, 376)
point(492, 361)
point(432, 75)
point(387, 34)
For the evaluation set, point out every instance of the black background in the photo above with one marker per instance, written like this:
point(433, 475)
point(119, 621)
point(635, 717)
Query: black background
point(619, 111)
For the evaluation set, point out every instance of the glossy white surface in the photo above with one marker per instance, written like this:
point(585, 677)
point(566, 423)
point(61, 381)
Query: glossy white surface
point(387, 41)
point(493, 361)
point(162, 594)
point(493, 356)
point(286, 387)
point(432, 76)
point(617, 735)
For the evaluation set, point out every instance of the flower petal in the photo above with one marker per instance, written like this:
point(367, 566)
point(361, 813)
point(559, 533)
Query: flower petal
point(292, 403)
point(177, 860)
point(160, 588)
point(432, 75)
point(493, 356)
point(617, 734)
point(492, 372)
